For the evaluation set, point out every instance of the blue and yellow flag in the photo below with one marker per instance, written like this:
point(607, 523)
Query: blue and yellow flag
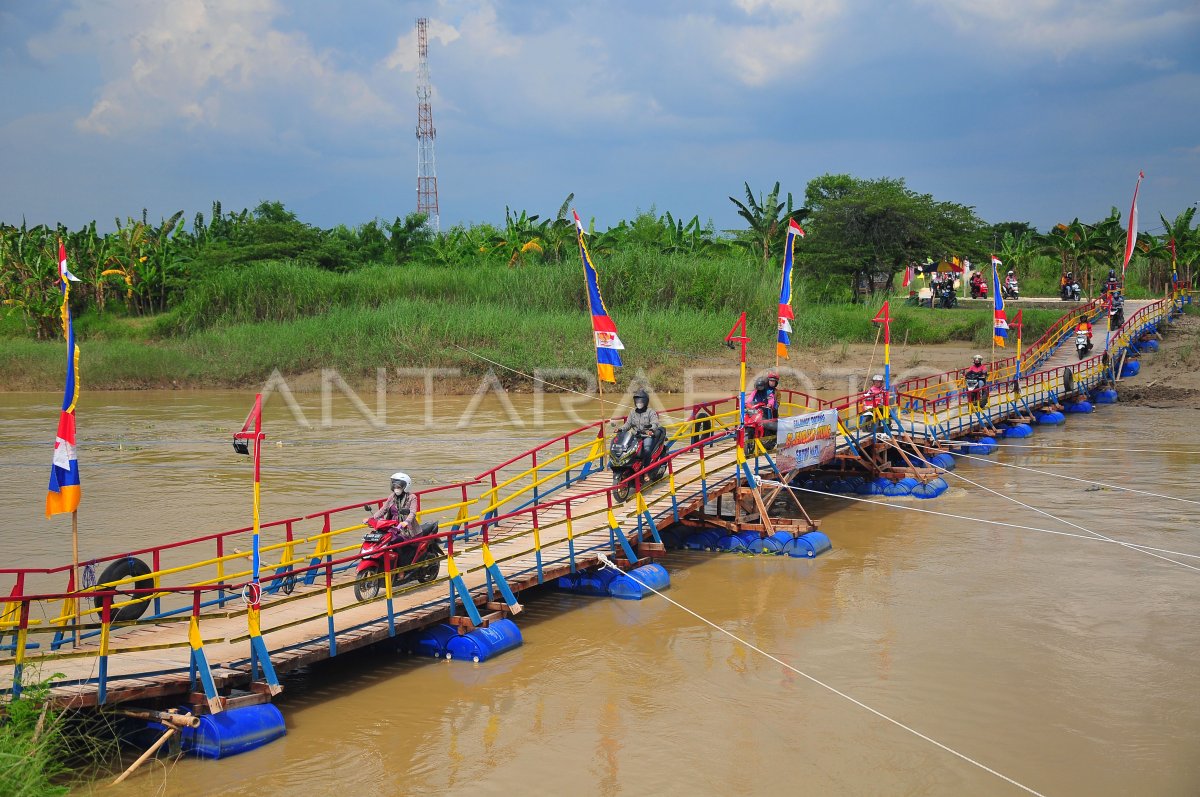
point(785, 293)
point(1000, 325)
point(608, 345)
point(64, 491)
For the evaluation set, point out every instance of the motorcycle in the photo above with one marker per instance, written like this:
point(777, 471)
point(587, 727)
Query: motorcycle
point(946, 297)
point(384, 549)
point(1071, 292)
point(626, 455)
point(978, 289)
point(977, 390)
point(758, 428)
point(1116, 314)
point(1010, 290)
point(1083, 344)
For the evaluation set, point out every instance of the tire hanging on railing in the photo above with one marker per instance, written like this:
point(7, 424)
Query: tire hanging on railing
point(1068, 384)
point(118, 570)
point(701, 428)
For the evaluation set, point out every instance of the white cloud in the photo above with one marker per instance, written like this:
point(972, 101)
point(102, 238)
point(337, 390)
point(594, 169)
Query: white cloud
point(1064, 27)
point(204, 63)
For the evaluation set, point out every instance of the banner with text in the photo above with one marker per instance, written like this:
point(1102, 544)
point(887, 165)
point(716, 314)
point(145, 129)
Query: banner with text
point(805, 441)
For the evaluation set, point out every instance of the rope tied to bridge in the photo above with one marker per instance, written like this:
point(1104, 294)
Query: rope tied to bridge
point(605, 562)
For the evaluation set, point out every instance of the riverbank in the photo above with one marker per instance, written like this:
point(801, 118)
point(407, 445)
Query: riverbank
point(418, 334)
point(1174, 381)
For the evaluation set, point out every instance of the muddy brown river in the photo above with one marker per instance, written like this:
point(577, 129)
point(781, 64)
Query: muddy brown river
point(1069, 665)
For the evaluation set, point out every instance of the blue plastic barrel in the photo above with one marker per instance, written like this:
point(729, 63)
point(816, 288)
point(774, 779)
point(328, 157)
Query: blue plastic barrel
point(430, 641)
point(587, 582)
point(1108, 396)
point(234, 731)
point(983, 446)
point(872, 487)
point(769, 545)
point(807, 545)
point(731, 543)
point(930, 489)
point(484, 643)
point(703, 540)
point(899, 489)
point(1018, 430)
point(1051, 418)
point(1130, 368)
point(943, 460)
point(1078, 407)
point(633, 585)
point(1148, 345)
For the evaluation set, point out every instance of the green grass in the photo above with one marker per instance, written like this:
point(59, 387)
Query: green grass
point(406, 332)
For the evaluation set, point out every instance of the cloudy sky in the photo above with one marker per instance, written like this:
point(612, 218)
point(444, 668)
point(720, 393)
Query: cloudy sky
point(1034, 110)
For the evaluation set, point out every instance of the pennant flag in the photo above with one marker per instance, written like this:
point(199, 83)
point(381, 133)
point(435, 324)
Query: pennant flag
point(608, 345)
point(908, 273)
point(1000, 332)
point(1174, 266)
point(785, 292)
point(64, 492)
point(1131, 236)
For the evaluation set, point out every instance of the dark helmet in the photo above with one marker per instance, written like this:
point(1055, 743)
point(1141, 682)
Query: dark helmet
point(1112, 273)
point(760, 383)
point(641, 399)
point(772, 378)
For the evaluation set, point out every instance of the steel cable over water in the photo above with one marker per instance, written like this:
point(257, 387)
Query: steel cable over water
point(1088, 481)
point(905, 507)
point(605, 562)
point(1032, 508)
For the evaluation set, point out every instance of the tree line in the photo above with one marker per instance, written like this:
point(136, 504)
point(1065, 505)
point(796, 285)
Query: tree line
point(853, 225)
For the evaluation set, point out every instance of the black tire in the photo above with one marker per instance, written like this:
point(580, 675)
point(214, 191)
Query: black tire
point(117, 570)
point(1069, 379)
point(620, 491)
point(430, 571)
point(1082, 352)
point(368, 585)
point(701, 428)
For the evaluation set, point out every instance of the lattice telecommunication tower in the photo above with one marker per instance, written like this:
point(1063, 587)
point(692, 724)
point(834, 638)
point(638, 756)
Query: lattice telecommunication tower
point(427, 195)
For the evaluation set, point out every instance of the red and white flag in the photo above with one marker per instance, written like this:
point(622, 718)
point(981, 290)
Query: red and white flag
point(1131, 236)
point(796, 228)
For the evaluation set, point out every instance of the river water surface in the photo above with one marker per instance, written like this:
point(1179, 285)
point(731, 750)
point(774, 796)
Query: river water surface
point(1068, 665)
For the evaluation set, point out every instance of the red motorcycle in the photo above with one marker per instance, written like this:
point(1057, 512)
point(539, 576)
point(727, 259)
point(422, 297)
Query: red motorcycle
point(978, 289)
point(758, 428)
point(384, 549)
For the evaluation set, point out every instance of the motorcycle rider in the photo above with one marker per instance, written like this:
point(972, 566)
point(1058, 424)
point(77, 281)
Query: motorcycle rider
point(400, 506)
point(978, 286)
point(1010, 283)
point(874, 399)
point(977, 373)
point(1110, 283)
point(1066, 285)
point(644, 421)
point(1116, 310)
point(764, 395)
point(1085, 325)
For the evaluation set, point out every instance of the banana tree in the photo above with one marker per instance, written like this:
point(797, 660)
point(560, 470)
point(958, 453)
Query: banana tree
point(519, 238)
point(28, 273)
point(767, 218)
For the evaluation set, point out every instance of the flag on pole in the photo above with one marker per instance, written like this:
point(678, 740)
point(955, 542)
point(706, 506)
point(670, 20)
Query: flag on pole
point(882, 317)
point(785, 292)
point(1131, 236)
point(1174, 267)
point(64, 491)
point(908, 273)
point(1000, 331)
point(608, 345)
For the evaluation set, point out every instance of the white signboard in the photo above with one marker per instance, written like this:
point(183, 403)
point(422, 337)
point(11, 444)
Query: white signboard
point(804, 441)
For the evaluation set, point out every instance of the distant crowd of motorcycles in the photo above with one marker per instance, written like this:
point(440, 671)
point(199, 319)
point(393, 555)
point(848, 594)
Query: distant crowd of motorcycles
point(945, 294)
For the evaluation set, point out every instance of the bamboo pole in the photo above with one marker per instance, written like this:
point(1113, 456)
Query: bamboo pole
point(149, 752)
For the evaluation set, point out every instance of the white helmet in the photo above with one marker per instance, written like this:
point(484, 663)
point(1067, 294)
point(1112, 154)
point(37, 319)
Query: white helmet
point(401, 480)
point(877, 378)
